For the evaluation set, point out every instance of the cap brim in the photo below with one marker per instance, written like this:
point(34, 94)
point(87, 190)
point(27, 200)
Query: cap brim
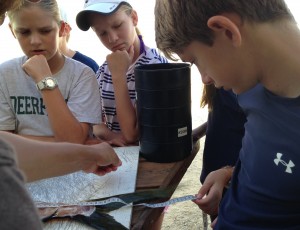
point(82, 19)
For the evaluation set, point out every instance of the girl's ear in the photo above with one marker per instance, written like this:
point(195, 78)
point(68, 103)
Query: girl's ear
point(11, 30)
point(134, 17)
point(64, 29)
point(222, 24)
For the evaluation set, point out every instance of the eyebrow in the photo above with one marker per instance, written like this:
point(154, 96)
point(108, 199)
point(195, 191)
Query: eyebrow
point(39, 28)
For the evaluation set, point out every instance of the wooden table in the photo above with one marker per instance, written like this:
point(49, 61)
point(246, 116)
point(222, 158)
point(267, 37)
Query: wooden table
point(161, 176)
point(154, 177)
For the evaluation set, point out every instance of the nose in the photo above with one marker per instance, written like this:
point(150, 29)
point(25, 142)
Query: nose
point(206, 79)
point(35, 39)
point(112, 37)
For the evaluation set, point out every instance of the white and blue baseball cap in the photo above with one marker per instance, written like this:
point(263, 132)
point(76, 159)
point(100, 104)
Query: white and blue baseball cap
point(99, 6)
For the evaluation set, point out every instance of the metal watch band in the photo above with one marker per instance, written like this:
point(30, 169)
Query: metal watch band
point(45, 83)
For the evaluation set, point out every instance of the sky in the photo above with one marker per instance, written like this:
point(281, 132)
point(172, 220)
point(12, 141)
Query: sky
point(84, 41)
point(87, 41)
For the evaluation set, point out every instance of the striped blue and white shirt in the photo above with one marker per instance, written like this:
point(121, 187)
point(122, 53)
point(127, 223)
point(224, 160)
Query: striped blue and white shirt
point(109, 113)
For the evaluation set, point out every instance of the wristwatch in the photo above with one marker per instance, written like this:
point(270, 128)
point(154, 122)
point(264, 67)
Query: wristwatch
point(47, 83)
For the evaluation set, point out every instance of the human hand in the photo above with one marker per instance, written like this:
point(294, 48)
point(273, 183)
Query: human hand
point(119, 61)
point(117, 139)
point(114, 138)
point(93, 141)
point(37, 68)
point(102, 159)
point(210, 194)
point(103, 133)
point(119, 142)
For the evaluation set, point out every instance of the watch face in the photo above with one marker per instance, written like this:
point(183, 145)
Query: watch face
point(47, 83)
point(50, 83)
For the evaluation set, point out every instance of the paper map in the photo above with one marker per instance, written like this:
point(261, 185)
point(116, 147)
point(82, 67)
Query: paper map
point(80, 186)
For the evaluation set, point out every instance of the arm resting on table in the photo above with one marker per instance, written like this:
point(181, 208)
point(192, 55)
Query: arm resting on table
point(199, 132)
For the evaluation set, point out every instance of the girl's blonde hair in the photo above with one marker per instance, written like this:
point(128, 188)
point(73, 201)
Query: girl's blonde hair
point(128, 10)
point(46, 5)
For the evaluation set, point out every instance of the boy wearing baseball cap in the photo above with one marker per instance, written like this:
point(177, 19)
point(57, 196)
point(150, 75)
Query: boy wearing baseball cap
point(115, 24)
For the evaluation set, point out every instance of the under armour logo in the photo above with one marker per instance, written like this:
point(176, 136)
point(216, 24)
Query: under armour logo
point(289, 166)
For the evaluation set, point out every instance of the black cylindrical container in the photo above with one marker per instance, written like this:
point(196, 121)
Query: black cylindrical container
point(164, 111)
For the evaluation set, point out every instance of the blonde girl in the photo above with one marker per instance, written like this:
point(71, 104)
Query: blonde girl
point(45, 95)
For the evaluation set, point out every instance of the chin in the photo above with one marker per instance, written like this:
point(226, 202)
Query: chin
point(225, 88)
point(216, 86)
point(239, 91)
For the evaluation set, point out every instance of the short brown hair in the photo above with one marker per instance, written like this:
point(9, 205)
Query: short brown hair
point(179, 22)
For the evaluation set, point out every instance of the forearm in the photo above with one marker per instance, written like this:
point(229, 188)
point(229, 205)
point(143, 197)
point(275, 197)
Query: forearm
point(38, 138)
point(50, 161)
point(118, 64)
point(125, 111)
point(33, 137)
point(63, 123)
point(17, 208)
point(228, 171)
point(41, 160)
point(102, 131)
point(128, 122)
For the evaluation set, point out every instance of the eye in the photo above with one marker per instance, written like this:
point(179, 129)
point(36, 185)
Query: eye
point(102, 34)
point(45, 31)
point(118, 26)
point(23, 32)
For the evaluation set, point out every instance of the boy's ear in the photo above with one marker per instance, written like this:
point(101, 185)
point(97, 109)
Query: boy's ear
point(222, 24)
point(11, 30)
point(134, 17)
